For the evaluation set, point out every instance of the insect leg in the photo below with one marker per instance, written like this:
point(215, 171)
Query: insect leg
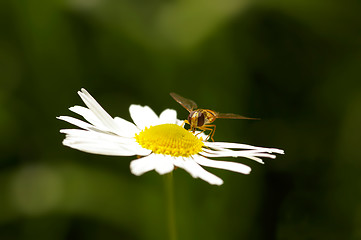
point(184, 122)
point(211, 128)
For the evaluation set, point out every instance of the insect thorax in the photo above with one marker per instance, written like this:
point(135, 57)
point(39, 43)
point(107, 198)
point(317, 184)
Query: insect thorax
point(210, 116)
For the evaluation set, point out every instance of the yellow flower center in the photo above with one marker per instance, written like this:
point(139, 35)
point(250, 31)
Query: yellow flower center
point(169, 139)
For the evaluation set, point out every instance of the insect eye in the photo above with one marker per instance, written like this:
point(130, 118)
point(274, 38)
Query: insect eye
point(190, 117)
point(200, 119)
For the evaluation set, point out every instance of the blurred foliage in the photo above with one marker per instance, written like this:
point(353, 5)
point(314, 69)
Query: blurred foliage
point(295, 64)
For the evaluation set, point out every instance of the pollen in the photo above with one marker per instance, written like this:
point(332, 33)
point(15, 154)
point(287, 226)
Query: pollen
point(169, 139)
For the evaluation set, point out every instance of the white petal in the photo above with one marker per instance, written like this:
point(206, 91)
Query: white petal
point(75, 122)
point(223, 145)
point(98, 136)
point(143, 165)
point(108, 150)
point(168, 116)
point(143, 116)
point(139, 150)
point(222, 149)
point(88, 115)
point(242, 146)
point(126, 128)
point(253, 154)
point(164, 164)
point(160, 163)
point(231, 166)
point(197, 171)
point(99, 143)
point(229, 153)
point(98, 111)
point(255, 159)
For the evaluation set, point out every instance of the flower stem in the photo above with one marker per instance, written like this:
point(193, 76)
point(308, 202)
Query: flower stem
point(168, 184)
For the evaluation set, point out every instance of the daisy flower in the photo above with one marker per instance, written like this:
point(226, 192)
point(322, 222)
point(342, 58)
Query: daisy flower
point(161, 143)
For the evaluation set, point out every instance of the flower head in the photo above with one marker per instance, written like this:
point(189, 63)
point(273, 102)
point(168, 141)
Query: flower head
point(162, 142)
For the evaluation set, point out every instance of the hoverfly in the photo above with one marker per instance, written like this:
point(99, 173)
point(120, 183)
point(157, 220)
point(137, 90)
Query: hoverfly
point(201, 118)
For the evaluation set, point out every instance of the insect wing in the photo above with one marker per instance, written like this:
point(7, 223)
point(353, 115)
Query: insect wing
point(233, 116)
point(186, 103)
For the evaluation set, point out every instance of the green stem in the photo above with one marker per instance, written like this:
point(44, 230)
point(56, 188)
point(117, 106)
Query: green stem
point(168, 183)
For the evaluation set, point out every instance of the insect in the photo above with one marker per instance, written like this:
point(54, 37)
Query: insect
point(201, 118)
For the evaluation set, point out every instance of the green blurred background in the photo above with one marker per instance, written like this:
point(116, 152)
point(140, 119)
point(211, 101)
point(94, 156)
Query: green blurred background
point(294, 64)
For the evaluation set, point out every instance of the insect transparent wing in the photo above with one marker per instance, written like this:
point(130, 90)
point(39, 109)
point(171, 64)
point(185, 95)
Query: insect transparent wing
point(186, 103)
point(233, 116)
